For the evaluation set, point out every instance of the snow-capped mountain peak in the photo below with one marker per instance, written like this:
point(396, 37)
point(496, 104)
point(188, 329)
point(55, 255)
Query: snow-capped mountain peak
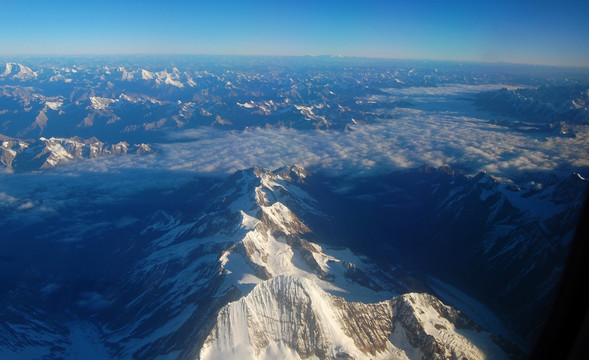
point(287, 307)
point(294, 318)
point(18, 71)
point(49, 152)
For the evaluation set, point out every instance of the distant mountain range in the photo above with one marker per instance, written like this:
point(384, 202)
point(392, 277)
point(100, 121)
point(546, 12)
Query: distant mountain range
point(24, 155)
point(135, 103)
point(555, 109)
point(137, 222)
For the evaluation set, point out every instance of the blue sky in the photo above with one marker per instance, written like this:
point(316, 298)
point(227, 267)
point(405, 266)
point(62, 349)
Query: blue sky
point(537, 32)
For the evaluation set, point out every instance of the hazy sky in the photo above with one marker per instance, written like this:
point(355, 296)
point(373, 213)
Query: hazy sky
point(538, 32)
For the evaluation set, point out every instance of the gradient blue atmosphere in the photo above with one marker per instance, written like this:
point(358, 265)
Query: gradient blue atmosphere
point(533, 32)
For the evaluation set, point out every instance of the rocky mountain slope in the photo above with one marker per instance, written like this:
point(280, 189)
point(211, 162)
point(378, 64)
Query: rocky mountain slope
point(550, 109)
point(17, 154)
point(296, 319)
point(502, 241)
point(235, 272)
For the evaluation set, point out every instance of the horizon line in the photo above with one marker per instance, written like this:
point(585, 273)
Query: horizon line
point(458, 61)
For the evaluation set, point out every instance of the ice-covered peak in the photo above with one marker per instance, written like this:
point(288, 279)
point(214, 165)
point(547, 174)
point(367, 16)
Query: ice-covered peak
point(171, 81)
point(18, 71)
point(285, 315)
point(25, 73)
point(280, 176)
point(274, 240)
point(54, 105)
point(294, 318)
point(57, 150)
point(247, 105)
point(128, 98)
point(101, 103)
point(248, 222)
point(302, 300)
point(126, 75)
point(142, 148)
point(146, 75)
point(268, 188)
point(164, 77)
point(52, 151)
point(270, 247)
point(7, 71)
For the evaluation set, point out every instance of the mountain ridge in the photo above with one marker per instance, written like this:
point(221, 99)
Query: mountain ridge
point(201, 265)
point(27, 155)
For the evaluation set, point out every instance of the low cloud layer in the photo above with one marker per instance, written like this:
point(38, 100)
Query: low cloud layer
point(445, 130)
point(440, 128)
point(408, 138)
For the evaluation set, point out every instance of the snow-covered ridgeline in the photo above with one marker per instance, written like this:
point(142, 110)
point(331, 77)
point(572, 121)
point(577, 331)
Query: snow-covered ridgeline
point(288, 311)
point(18, 71)
point(294, 318)
point(49, 152)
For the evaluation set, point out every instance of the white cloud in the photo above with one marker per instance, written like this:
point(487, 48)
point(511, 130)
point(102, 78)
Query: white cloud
point(458, 135)
point(407, 138)
point(27, 205)
point(440, 129)
point(7, 200)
